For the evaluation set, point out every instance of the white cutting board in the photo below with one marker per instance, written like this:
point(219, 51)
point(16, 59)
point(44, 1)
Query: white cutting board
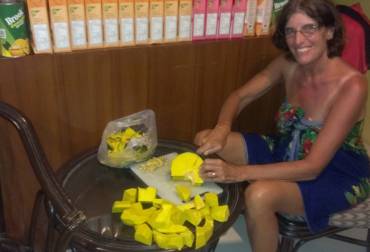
point(166, 187)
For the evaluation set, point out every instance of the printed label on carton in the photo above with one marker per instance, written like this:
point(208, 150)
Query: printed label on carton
point(59, 24)
point(76, 13)
point(238, 17)
point(156, 20)
point(39, 23)
point(212, 18)
point(126, 17)
point(225, 18)
point(141, 21)
point(264, 11)
point(185, 9)
point(250, 18)
point(110, 17)
point(171, 12)
point(199, 12)
point(94, 23)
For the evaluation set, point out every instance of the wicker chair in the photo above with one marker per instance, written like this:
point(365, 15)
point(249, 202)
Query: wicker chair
point(295, 233)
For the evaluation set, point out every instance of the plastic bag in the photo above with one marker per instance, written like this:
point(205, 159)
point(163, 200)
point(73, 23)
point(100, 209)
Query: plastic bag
point(128, 140)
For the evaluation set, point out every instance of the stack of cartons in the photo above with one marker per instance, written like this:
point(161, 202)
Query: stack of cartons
point(238, 17)
point(185, 10)
point(250, 18)
point(110, 23)
point(199, 12)
point(226, 7)
point(171, 8)
point(39, 24)
point(126, 19)
point(156, 21)
point(60, 25)
point(141, 21)
point(212, 19)
point(263, 19)
point(94, 23)
point(76, 13)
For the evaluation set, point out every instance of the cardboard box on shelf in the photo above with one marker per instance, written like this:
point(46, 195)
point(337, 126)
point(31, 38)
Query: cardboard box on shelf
point(76, 14)
point(39, 24)
point(110, 23)
point(185, 10)
point(238, 17)
point(224, 27)
point(199, 12)
point(141, 21)
point(156, 12)
point(263, 19)
point(171, 9)
point(94, 23)
point(126, 20)
point(212, 19)
point(59, 25)
point(250, 18)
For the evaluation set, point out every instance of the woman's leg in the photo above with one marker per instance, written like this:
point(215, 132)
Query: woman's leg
point(263, 199)
point(235, 149)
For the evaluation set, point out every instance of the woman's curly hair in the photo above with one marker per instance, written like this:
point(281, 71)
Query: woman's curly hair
point(323, 12)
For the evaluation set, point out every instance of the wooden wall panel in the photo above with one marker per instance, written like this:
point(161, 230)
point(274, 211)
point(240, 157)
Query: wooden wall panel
point(70, 97)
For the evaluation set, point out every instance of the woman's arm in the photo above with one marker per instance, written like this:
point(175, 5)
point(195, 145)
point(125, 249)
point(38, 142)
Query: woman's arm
point(346, 110)
point(211, 141)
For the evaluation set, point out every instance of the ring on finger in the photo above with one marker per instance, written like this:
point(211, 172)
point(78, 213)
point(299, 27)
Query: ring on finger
point(211, 174)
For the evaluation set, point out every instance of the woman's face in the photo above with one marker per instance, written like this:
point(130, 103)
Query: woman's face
point(306, 40)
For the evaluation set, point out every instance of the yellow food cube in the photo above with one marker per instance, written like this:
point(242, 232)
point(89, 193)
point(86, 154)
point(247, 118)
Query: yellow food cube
point(143, 234)
point(186, 206)
point(130, 195)
point(162, 218)
point(205, 211)
point(119, 206)
point(188, 238)
point(183, 192)
point(147, 194)
point(211, 199)
point(168, 241)
point(129, 133)
point(178, 217)
point(220, 213)
point(172, 229)
point(193, 216)
point(131, 217)
point(186, 166)
point(198, 202)
point(203, 234)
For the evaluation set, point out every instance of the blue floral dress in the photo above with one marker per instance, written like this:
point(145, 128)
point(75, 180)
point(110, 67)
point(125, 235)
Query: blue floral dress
point(343, 183)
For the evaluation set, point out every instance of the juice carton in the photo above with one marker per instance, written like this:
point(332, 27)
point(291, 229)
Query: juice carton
point(250, 18)
point(39, 24)
point(212, 19)
point(185, 10)
point(199, 12)
point(264, 11)
point(94, 23)
point(141, 21)
point(171, 9)
point(60, 25)
point(76, 13)
point(110, 23)
point(238, 17)
point(224, 27)
point(126, 19)
point(156, 20)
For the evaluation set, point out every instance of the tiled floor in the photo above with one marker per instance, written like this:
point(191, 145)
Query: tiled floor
point(236, 240)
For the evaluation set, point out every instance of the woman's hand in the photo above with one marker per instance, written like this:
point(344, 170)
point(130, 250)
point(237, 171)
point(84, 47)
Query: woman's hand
point(218, 170)
point(211, 140)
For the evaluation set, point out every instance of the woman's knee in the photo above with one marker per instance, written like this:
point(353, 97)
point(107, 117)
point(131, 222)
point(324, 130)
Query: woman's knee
point(260, 195)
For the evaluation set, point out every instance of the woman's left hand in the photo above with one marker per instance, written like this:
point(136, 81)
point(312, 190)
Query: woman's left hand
point(218, 170)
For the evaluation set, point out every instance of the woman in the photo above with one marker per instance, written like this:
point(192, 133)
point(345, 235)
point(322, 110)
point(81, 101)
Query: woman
point(316, 165)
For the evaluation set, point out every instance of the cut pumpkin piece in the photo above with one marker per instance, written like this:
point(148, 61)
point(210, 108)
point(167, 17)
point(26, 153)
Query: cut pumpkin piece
point(220, 213)
point(185, 166)
point(147, 194)
point(168, 241)
point(130, 195)
point(183, 192)
point(143, 234)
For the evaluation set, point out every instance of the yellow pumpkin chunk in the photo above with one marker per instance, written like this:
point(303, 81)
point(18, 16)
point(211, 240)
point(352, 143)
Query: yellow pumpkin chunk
point(144, 234)
point(119, 206)
point(211, 199)
point(203, 234)
point(129, 195)
point(168, 241)
point(220, 213)
point(147, 194)
point(185, 166)
point(188, 238)
point(193, 216)
point(198, 202)
point(183, 192)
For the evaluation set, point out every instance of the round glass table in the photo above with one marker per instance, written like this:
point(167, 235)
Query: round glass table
point(93, 187)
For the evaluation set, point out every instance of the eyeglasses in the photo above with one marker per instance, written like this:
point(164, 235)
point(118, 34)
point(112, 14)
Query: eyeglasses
point(307, 30)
